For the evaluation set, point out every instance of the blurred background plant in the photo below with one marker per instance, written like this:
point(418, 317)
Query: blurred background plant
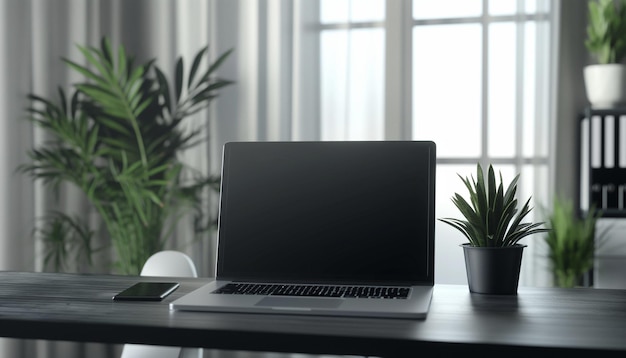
point(606, 30)
point(572, 242)
point(118, 138)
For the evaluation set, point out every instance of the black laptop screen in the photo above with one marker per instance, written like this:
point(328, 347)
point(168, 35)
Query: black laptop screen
point(327, 211)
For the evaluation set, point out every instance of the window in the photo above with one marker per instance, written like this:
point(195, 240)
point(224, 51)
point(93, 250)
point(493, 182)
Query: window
point(471, 75)
point(352, 51)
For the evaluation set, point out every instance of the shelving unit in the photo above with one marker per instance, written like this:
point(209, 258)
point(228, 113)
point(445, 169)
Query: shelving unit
point(603, 184)
point(603, 161)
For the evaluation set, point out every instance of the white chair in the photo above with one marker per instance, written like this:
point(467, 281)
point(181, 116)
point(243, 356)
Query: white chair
point(173, 264)
point(169, 263)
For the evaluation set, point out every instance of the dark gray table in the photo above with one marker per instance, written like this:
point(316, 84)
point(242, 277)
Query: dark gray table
point(79, 308)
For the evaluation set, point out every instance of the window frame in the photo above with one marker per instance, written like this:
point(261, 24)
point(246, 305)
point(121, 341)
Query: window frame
point(398, 107)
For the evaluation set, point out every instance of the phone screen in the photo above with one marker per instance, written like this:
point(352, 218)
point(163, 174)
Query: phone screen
point(147, 291)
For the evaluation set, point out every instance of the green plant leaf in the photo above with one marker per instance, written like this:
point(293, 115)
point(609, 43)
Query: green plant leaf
point(220, 60)
point(101, 62)
point(178, 78)
point(195, 65)
point(164, 90)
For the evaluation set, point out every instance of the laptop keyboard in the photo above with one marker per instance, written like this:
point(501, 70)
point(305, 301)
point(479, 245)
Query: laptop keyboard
point(384, 292)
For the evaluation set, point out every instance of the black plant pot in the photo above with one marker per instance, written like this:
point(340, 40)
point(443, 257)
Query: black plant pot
point(493, 270)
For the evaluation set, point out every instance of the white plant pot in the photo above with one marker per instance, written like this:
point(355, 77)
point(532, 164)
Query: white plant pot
point(606, 85)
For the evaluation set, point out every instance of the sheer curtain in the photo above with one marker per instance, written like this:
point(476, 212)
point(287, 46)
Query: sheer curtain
point(37, 34)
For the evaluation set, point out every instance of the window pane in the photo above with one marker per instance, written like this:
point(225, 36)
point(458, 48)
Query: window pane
point(334, 11)
point(502, 90)
point(367, 10)
point(447, 83)
point(530, 140)
point(341, 11)
point(531, 5)
point(502, 7)
point(353, 84)
point(449, 262)
point(533, 185)
point(537, 6)
point(509, 7)
point(437, 9)
point(334, 67)
point(536, 89)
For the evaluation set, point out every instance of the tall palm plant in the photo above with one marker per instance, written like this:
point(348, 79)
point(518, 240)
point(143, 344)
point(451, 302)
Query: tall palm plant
point(118, 137)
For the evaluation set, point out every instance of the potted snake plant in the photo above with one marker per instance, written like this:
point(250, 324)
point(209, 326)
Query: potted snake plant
point(493, 226)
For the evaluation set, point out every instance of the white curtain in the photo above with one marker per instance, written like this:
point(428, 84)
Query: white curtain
point(36, 34)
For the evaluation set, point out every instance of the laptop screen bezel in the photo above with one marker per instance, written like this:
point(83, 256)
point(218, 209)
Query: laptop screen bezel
point(426, 147)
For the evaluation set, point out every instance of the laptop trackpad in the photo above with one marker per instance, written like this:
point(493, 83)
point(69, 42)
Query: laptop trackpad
point(299, 303)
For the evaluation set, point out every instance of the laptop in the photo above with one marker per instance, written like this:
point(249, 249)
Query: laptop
point(324, 228)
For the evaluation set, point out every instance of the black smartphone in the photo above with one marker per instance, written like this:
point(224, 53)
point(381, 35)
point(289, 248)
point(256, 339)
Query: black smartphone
point(147, 291)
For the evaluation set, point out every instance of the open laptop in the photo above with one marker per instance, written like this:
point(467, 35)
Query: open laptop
point(324, 228)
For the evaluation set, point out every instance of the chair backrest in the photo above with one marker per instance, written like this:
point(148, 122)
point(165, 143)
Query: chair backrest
point(169, 263)
point(164, 263)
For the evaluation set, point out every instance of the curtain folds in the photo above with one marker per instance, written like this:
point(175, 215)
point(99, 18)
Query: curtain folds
point(37, 34)
point(259, 106)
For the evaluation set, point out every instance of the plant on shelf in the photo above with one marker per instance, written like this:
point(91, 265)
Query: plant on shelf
point(606, 30)
point(118, 138)
point(493, 226)
point(606, 42)
point(572, 242)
